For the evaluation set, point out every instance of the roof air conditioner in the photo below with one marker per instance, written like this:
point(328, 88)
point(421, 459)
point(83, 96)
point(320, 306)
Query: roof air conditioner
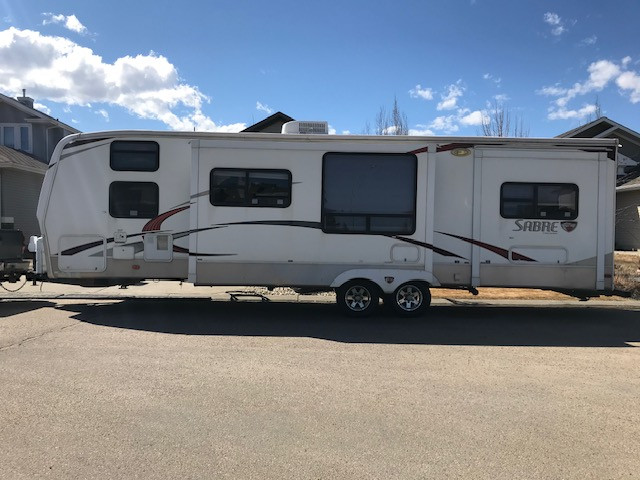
point(306, 128)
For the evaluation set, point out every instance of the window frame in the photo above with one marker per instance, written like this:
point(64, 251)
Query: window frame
point(535, 202)
point(247, 199)
point(145, 217)
point(17, 136)
point(369, 216)
point(133, 169)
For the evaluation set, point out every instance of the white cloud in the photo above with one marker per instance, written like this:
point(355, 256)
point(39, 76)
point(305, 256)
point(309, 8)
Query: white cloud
point(556, 23)
point(419, 92)
point(601, 74)
point(264, 108)
point(445, 124)
point(630, 81)
point(496, 80)
point(346, 132)
point(60, 70)
point(103, 113)
point(474, 118)
point(42, 107)
point(553, 91)
point(332, 131)
point(421, 130)
point(552, 18)
point(589, 41)
point(449, 124)
point(501, 98)
point(564, 114)
point(70, 22)
point(450, 99)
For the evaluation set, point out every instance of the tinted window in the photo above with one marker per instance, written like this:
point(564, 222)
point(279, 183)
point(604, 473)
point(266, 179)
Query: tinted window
point(250, 188)
point(135, 156)
point(24, 139)
point(369, 193)
point(554, 201)
point(133, 199)
point(9, 137)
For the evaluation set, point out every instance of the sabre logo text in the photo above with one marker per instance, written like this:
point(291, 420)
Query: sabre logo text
point(543, 226)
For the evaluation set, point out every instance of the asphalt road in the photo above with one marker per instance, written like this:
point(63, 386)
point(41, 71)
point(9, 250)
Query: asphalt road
point(166, 389)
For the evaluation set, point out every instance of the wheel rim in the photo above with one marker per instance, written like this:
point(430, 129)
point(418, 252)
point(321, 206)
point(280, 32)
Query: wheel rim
point(357, 298)
point(409, 298)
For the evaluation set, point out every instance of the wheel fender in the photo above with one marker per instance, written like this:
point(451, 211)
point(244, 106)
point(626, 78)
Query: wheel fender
point(387, 280)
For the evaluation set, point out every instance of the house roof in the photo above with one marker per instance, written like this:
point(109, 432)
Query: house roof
point(277, 117)
point(600, 128)
point(37, 113)
point(10, 158)
point(604, 127)
point(629, 186)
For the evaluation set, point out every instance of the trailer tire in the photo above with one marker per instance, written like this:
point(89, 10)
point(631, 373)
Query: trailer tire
point(358, 298)
point(411, 299)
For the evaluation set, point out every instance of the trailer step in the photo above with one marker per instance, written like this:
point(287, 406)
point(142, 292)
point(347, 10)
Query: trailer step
point(236, 295)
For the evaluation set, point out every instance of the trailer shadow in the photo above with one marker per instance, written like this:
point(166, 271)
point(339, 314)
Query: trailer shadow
point(443, 325)
point(9, 308)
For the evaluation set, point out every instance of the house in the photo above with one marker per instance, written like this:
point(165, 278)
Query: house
point(603, 127)
point(27, 139)
point(271, 124)
point(628, 177)
point(20, 180)
point(628, 215)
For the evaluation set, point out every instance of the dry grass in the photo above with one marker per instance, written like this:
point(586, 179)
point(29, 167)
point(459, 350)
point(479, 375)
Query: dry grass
point(626, 278)
point(627, 273)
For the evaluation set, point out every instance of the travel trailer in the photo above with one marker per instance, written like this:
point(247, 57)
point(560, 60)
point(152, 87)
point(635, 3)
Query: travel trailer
point(372, 217)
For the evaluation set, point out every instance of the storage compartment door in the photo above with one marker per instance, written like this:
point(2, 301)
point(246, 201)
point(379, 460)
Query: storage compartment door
point(82, 253)
point(158, 247)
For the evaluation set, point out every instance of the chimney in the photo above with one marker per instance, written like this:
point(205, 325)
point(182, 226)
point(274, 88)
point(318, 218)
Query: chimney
point(24, 100)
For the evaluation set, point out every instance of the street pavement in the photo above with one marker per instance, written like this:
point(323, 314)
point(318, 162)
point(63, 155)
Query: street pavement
point(123, 383)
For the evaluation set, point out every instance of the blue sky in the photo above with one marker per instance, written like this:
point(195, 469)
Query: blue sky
point(223, 65)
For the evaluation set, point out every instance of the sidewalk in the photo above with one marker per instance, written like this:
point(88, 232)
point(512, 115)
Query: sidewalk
point(173, 289)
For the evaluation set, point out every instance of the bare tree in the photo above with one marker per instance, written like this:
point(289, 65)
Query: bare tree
point(498, 122)
point(597, 113)
point(399, 120)
point(394, 123)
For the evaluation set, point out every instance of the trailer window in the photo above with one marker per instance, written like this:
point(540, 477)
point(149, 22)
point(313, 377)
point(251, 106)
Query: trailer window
point(130, 156)
point(369, 193)
point(553, 201)
point(133, 199)
point(231, 187)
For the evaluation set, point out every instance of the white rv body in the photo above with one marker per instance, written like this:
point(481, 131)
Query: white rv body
point(458, 234)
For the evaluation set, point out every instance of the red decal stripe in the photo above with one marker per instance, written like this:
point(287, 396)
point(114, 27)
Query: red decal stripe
point(155, 223)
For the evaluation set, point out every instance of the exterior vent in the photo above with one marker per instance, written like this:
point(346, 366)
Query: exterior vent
point(306, 128)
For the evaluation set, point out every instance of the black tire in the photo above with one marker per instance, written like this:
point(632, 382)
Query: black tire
point(411, 299)
point(358, 298)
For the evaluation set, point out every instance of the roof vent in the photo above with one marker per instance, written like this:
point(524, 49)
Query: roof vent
point(306, 128)
point(24, 100)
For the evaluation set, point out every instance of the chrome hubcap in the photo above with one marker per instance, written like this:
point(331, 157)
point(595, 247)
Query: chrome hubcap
point(409, 298)
point(357, 298)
